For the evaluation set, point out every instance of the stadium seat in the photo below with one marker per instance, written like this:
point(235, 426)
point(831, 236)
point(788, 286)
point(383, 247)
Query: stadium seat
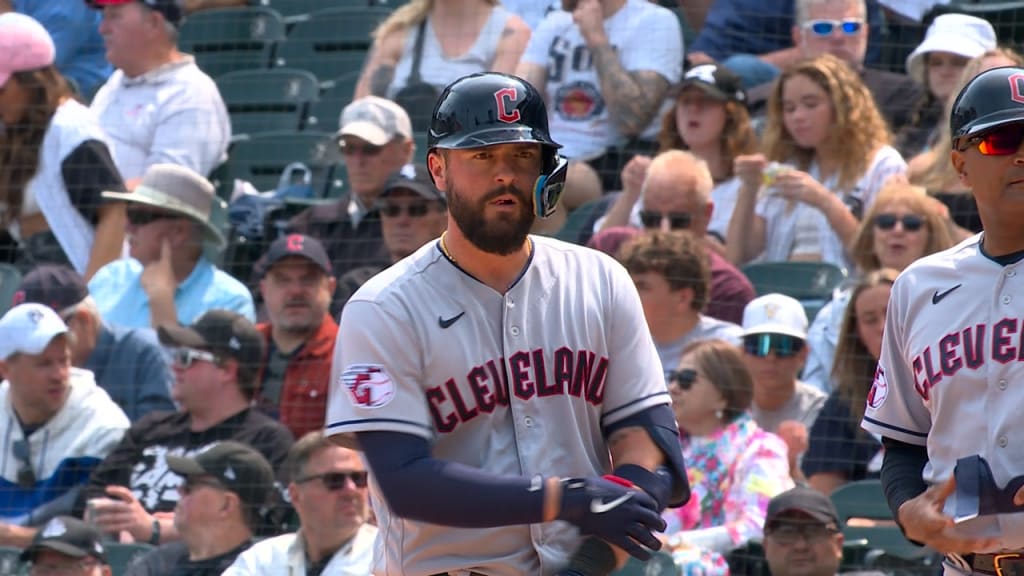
point(812, 283)
point(10, 277)
point(232, 38)
point(262, 158)
point(331, 43)
point(336, 94)
point(268, 100)
point(660, 565)
point(121, 556)
point(420, 138)
point(295, 10)
point(864, 499)
point(10, 565)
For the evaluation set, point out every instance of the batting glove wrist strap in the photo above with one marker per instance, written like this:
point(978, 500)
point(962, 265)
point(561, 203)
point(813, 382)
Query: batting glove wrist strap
point(613, 510)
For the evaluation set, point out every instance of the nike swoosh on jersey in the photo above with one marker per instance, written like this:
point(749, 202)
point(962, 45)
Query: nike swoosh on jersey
point(938, 296)
point(598, 506)
point(444, 323)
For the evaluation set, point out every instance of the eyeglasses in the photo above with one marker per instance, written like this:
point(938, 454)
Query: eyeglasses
point(78, 567)
point(1001, 141)
point(783, 345)
point(683, 378)
point(337, 480)
point(676, 220)
point(360, 150)
point(193, 483)
point(414, 210)
point(789, 534)
point(139, 218)
point(910, 222)
point(825, 27)
point(185, 357)
point(26, 476)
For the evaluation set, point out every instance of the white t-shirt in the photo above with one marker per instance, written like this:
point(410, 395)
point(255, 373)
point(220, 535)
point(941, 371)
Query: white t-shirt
point(645, 36)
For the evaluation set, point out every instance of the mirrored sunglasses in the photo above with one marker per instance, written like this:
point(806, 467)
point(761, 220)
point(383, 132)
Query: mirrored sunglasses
point(825, 27)
point(1001, 141)
point(782, 345)
point(185, 357)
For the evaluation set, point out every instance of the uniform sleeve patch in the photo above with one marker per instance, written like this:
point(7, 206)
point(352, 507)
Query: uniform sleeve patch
point(368, 385)
point(879, 390)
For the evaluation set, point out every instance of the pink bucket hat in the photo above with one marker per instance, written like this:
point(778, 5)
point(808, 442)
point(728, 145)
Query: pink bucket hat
point(24, 45)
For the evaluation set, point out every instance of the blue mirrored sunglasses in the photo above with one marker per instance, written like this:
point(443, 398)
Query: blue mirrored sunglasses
point(825, 27)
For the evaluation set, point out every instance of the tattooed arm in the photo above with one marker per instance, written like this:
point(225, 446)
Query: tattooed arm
point(379, 71)
point(510, 48)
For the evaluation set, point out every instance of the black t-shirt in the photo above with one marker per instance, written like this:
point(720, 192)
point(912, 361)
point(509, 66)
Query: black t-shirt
point(87, 171)
point(963, 209)
point(837, 444)
point(172, 560)
point(139, 461)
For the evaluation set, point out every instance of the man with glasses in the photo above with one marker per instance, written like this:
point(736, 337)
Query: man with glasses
point(412, 212)
point(376, 140)
point(802, 535)
point(168, 279)
point(296, 286)
point(775, 349)
point(328, 488)
point(66, 546)
point(126, 362)
point(218, 512)
point(216, 363)
point(57, 423)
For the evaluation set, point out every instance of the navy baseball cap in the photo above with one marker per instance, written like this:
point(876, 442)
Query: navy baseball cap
point(294, 245)
point(68, 536)
point(415, 178)
point(172, 10)
point(58, 287)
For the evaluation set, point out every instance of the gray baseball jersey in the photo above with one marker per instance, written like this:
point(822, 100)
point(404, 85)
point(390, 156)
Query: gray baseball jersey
point(516, 384)
point(950, 373)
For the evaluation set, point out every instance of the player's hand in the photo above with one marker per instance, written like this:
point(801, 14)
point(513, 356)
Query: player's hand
point(589, 17)
point(749, 168)
point(157, 277)
point(923, 520)
point(633, 175)
point(622, 516)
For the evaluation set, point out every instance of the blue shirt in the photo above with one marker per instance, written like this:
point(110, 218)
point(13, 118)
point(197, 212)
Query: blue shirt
point(75, 29)
point(122, 301)
point(131, 366)
point(761, 26)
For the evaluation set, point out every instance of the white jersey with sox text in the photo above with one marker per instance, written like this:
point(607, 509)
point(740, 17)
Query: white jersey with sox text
point(951, 372)
point(518, 384)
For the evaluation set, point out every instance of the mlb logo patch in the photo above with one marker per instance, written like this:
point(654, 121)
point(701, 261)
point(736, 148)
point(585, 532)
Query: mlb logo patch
point(368, 385)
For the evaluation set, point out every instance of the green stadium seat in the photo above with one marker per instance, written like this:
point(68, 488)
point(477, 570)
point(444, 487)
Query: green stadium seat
point(10, 277)
point(336, 94)
point(268, 100)
point(812, 283)
point(660, 565)
point(331, 43)
point(10, 564)
point(420, 138)
point(294, 10)
point(262, 158)
point(232, 38)
point(121, 556)
point(865, 499)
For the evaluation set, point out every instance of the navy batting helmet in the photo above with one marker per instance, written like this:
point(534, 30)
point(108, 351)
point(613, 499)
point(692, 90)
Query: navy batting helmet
point(991, 99)
point(491, 108)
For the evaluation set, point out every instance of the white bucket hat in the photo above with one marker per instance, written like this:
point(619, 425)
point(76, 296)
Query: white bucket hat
point(960, 34)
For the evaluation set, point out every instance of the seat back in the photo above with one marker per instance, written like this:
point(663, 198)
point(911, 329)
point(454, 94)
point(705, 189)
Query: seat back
point(297, 9)
point(10, 563)
point(10, 278)
point(262, 158)
point(812, 283)
point(331, 43)
point(231, 39)
point(325, 113)
point(121, 556)
point(268, 100)
point(865, 500)
point(660, 564)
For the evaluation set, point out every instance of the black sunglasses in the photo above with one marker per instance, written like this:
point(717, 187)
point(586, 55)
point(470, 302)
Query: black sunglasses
point(364, 150)
point(336, 480)
point(414, 210)
point(139, 218)
point(683, 378)
point(783, 345)
point(911, 222)
point(26, 476)
point(676, 220)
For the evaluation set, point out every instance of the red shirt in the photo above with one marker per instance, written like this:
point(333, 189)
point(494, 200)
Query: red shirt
point(729, 292)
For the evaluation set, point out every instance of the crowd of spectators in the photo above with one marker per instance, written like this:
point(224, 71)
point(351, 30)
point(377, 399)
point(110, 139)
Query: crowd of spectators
point(160, 399)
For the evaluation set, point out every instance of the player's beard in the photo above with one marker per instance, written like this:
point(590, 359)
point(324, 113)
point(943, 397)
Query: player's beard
point(502, 234)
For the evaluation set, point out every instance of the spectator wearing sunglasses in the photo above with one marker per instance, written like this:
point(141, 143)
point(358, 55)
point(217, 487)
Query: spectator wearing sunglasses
point(670, 270)
point(775, 348)
point(735, 466)
point(328, 487)
point(824, 128)
point(903, 225)
point(168, 279)
point(126, 362)
point(217, 514)
point(66, 546)
point(375, 136)
point(841, 28)
point(412, 212)
point(296, 286)
point(58, 424)
point(675, 195)
point(216, 363)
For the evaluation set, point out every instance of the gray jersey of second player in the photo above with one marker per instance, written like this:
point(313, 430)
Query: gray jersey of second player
point(802, 407)
point(707, 328)
point(518, 384)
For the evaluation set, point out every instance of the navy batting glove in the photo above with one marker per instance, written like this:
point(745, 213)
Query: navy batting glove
point(621, 515)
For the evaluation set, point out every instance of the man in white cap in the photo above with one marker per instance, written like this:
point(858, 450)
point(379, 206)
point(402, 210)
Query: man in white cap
point(58, 423)
point(775, 349)
point(168, 279)
point(375, 136)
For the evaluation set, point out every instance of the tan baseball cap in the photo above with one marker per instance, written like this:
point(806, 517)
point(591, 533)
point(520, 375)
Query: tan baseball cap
point(374, 119)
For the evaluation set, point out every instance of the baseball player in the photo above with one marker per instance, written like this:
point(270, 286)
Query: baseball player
point(949, 386)
point(517, 399)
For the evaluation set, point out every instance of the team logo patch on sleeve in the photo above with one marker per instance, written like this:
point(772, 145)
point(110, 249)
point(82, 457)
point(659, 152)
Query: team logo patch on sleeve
point(368, 385)
point(879, 390)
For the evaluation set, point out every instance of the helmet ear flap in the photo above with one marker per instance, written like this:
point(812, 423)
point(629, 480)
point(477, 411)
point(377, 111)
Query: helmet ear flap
point(548, 188)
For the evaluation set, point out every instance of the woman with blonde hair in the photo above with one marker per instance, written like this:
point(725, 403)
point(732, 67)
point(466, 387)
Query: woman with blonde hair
point(427, 44)
point(826, 156)
point(933, 169)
